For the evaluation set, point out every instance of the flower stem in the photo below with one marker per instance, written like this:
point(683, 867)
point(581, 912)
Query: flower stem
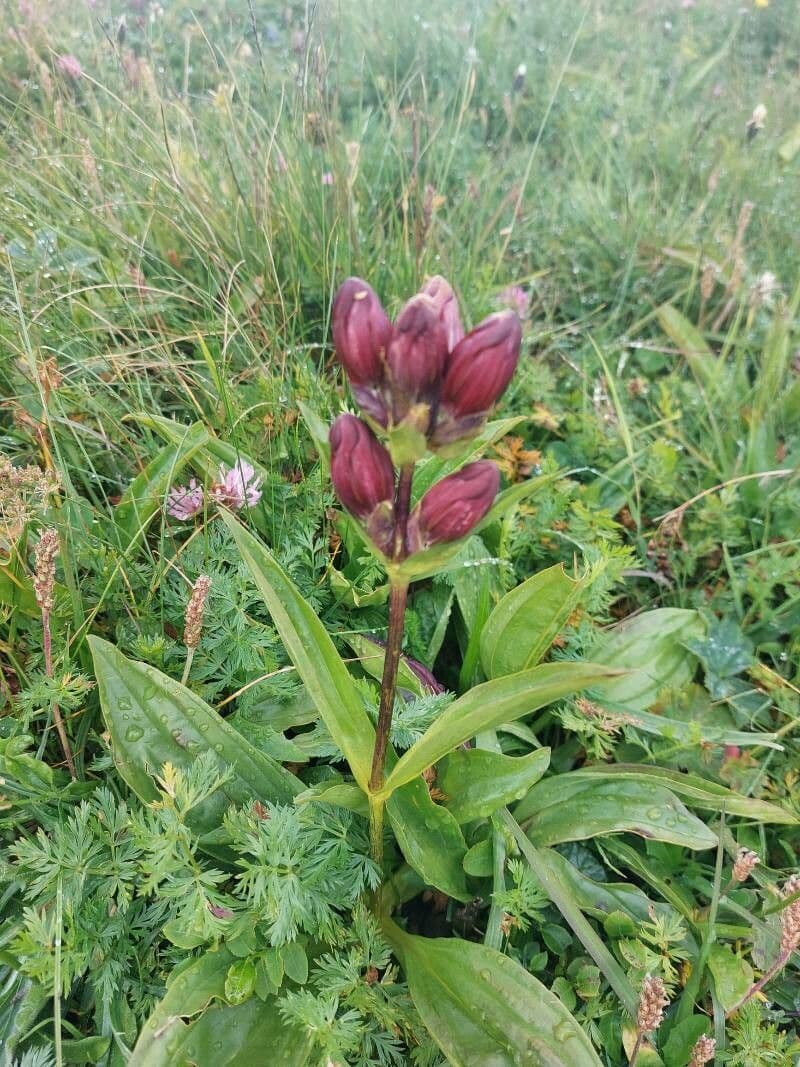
point(187, 665)
point(766, 977)
point(398, 599)
point(636, 1049)
point(47, 644)
point(391, 663)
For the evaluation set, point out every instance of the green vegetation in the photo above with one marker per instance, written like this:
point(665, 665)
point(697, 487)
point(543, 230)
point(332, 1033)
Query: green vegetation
point(183, 189)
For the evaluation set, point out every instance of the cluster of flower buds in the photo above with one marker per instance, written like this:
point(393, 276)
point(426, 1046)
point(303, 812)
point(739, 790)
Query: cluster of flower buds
point(423, 371)
point(420, 379)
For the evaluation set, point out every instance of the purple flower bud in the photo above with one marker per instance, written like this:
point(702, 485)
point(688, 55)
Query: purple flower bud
point(482, 364)
point(416, 355)
point(361, 332)
point(441, 293)
point(419, 669)
point(361, 468)
point(454, 505)
point(478, 370)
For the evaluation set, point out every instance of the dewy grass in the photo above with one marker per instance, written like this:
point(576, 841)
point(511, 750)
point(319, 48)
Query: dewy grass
point(183, 192)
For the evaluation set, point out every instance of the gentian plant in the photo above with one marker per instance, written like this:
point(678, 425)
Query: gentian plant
point(454, 813)
point(422, 384)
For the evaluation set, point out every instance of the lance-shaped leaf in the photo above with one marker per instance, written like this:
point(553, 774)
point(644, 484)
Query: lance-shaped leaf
point(523, 625)
point(548, 869)
point(476, 782)
point(429, 838)
point(691, 734)
point(155, 720)
point(706, 368)
point(490, 705)
point(573, 807)
point(483, 1008)
point(313, 653)
point(697, 792)
point(193, 1027)
point(651, 647)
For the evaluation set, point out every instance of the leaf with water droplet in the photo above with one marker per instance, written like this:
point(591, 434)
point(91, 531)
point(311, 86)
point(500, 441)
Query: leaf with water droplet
point(480, 1007)
point(576, 806)
point(193, 1025)
point(476, 782)
point(167, 728)
point(429, 838)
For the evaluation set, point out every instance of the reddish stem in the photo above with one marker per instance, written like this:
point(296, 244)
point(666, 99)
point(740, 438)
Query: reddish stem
point(394, 639)
point(47, 643)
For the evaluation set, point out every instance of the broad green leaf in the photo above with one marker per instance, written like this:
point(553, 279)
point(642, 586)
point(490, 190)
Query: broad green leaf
point(318, 430)
point(190, 988)
point(240, 981)
point(349, 594)
point(85, 1050)
point(790, 146)
point(651, 647)
point(343, 794)
point(281, 715)
point(677, 1050)
point(476, 782)
point(549, 869)
point(492, 704)
point(295, 962)
point(21, 1003)
point(483, 1008)
point(690, 342)
point(600, 899)
point(155, 720)
point(674, 892)
point(193, 1027)
point(732, 975)
point(145, 496)
point(522, 626)
point(479, 860)
point(429, 838)
point(17, 592)
point(698, 792)
point(475, 583)
point(313, 653)
point(574, 807)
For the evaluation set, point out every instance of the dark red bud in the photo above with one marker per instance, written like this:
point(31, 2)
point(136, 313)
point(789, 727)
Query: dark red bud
point(481, 365)
point(361, 331)
point(361, 468)
point(416, 354)
point(444, 299)
point(454, 505)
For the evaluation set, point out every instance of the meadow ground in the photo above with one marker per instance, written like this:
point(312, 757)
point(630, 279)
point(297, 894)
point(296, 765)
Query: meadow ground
point(183, 188)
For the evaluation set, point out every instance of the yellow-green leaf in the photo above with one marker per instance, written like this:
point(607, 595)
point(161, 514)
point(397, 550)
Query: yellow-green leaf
point(492, 704)
point(313, 653)
point(523, 625)
point(482, 1007)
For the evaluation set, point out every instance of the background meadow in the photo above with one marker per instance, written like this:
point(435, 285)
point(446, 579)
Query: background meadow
point(183, 188)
